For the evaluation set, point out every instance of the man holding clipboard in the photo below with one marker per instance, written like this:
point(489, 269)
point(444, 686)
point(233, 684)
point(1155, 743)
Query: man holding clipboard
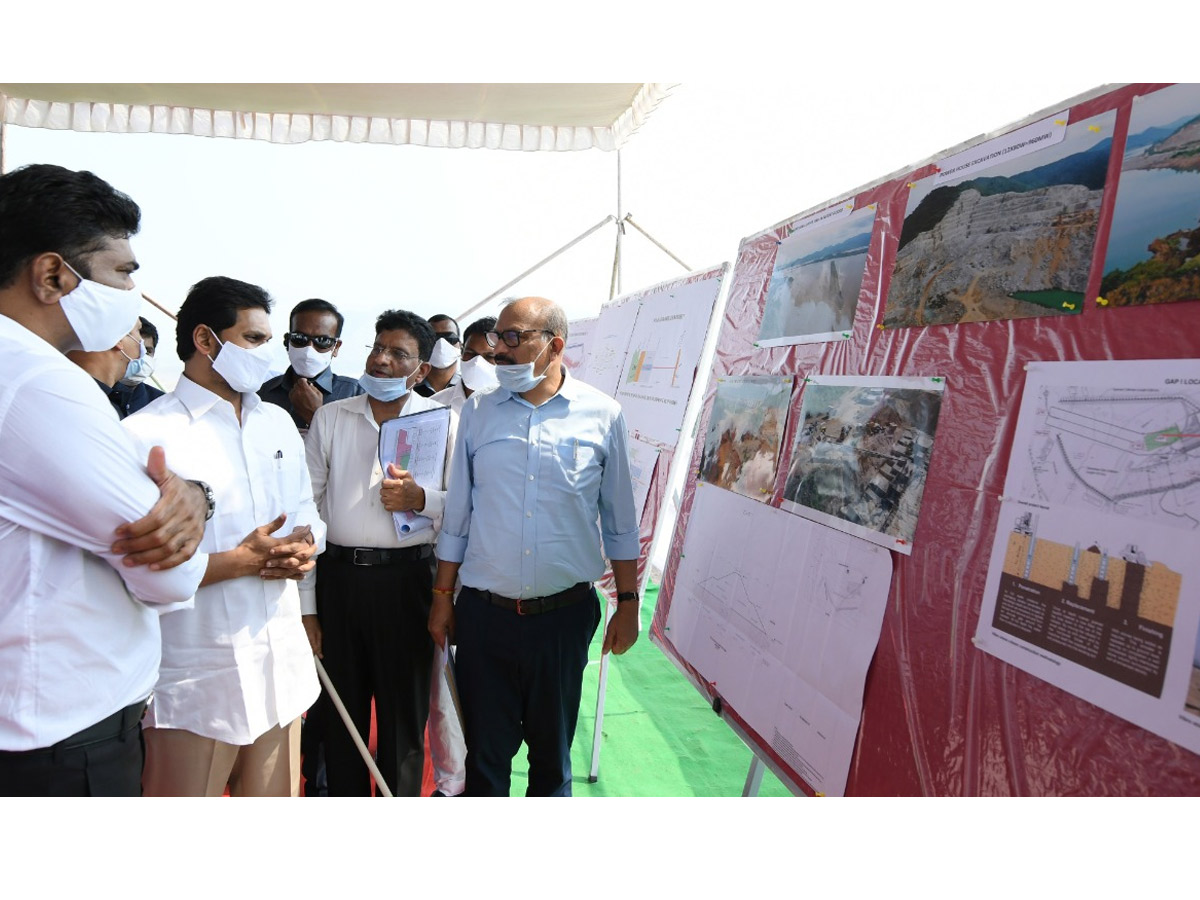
point(366, 619)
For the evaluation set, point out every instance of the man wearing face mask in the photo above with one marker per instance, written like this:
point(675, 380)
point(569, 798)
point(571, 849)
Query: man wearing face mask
point(366, 618)
point(313, 340)
point(109, 366)
point(131, 392)
point(236, 670)
point(477, 370)
point(443, 361)
point(537, 462)
point(79, 623)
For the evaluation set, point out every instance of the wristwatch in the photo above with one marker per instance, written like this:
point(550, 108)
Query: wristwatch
point(626, 596)
point(209, 498)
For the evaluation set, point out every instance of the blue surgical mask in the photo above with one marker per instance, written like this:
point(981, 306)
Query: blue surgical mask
point(519, 377)
point(385, 390)
point(139, 368)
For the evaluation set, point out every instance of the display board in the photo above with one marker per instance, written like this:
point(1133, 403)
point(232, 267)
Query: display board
point(1053, 239)
point(644, 349)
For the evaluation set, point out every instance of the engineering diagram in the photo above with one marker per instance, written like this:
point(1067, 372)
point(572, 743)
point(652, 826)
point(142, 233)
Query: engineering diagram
point(1131, 452)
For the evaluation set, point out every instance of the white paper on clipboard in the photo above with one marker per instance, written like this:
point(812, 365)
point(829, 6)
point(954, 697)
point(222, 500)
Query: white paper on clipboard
point(417, 444)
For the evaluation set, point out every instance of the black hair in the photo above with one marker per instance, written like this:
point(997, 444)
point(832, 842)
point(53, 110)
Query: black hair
point(49, 209)
point(479, 327)
point(442, 317)
point(403, 320)
point(317, 305)
point(215, 302)
point(147, 330)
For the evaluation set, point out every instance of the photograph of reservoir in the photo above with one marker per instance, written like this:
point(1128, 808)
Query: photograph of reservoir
point(1153, 253)
point(745, 430)
point(1011, 241)
point(861, 456)
point(815, 284)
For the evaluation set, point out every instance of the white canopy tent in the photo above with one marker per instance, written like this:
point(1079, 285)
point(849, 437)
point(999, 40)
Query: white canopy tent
point(493, 116)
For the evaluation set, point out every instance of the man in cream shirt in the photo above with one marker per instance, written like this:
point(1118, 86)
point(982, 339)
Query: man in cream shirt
point(366, 619)
point(236, 670)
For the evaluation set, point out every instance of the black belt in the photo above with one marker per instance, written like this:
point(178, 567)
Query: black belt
point(120, 722)
point(376, 556)
point(532, 606)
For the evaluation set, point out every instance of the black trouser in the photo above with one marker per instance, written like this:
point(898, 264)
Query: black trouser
point(520, 677)
point(103, 760)
point(376, 643)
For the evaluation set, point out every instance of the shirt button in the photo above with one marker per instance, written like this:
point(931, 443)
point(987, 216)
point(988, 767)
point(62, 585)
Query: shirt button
point(526, 552)
point(531, 478)
point(528, 515)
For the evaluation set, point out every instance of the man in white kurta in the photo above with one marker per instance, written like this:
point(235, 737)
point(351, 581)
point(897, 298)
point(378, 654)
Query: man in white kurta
point(236, 670)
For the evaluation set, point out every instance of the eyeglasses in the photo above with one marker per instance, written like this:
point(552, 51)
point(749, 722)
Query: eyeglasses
point(300, 339)
point(448, 336)
point(512, 338)
point(398, 356)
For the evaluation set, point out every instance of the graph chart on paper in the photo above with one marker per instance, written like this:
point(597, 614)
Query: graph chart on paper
point(664, 350)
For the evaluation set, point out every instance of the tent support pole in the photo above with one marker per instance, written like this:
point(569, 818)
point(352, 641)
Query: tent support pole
point(354, 735)
point(3, 144)
point(629, 218)
point(463, 316)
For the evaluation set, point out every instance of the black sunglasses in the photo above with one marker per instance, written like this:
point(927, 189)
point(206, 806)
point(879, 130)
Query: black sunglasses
point(449, 337)
point(300, 339)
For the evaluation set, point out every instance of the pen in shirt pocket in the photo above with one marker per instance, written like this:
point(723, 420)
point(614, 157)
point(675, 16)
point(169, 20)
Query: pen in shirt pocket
point(576, 457)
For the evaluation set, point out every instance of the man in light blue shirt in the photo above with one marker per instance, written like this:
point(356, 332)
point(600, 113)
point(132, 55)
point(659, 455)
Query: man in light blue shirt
point(537, 461)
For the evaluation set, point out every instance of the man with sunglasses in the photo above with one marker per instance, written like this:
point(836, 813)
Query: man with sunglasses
point(537, 463)
point(312, 341)
point(443, 361)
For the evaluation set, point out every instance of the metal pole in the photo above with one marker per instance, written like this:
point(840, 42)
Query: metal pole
point(753, 777)
point(629, 218)
point(563, 249)
point(3, 137)
point(355, 736)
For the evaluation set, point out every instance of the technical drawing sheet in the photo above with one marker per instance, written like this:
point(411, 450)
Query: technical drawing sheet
point(608, 343)
point(664, 351)
point(1094, 580)
point(781, 616)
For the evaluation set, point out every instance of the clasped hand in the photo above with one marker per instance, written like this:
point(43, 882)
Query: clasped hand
point(289, 556)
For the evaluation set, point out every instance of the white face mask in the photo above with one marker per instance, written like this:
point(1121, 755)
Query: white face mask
point(519, 377)
point(444, 354)
point(243, 369)
point(308, 362)
point(478, 374)
point(98, 314)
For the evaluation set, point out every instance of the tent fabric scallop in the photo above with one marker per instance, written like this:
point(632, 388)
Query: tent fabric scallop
point(493, 116)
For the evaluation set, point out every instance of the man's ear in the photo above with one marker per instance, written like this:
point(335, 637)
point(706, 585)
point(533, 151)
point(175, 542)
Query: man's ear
point(337, 345)
point(203, 340)
point(50, 279)
point(422, 372)
point(561, 345)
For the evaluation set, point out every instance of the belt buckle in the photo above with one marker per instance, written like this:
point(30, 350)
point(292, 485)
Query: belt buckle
point(354, 558)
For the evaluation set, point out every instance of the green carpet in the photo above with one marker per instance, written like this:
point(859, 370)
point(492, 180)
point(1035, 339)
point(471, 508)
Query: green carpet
point(660, 738)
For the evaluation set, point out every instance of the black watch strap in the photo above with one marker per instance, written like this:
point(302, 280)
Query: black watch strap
point(209, 498)
point(626, 596)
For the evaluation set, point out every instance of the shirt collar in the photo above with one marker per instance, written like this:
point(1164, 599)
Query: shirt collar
point(199, 400)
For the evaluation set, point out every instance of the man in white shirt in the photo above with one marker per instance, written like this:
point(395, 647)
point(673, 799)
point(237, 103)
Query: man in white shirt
point(236, 669)
point(367, 616)
point(79, 627)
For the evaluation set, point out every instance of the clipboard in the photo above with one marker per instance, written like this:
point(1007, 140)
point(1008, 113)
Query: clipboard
point(416, 443)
